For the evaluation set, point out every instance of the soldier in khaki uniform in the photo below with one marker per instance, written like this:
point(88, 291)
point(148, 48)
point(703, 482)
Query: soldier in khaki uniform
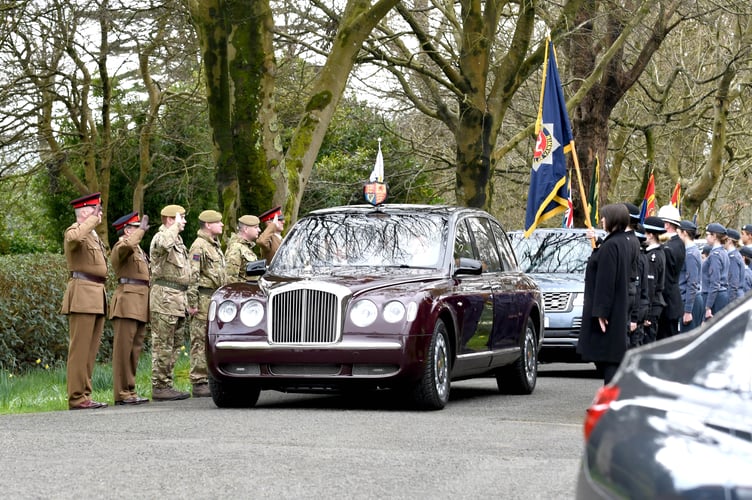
point(84, 300)
point(129, 310)
point(170, 274)
point(240, 249)
point(271, 238)
point(207, 274)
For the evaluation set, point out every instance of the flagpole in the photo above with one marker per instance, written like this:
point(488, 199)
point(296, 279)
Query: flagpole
point(582, 192)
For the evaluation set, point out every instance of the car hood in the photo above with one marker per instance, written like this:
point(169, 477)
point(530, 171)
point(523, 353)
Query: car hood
point(357, 280)
point(560, 282)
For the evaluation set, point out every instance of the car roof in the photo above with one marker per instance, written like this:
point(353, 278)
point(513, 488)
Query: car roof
point(398, 208)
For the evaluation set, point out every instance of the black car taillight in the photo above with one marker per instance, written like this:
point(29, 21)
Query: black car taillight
point(600, 405)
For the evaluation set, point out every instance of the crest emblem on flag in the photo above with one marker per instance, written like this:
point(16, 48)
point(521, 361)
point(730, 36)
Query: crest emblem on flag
point(375, 191)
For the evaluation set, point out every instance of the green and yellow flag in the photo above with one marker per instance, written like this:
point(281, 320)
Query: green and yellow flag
point(592, 202)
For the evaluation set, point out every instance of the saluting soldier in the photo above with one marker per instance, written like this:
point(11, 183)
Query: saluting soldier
point(170, 273)
point(129, 310)
point(240, 248)
point(207, 274)
point(271, 238)
point(84, 300)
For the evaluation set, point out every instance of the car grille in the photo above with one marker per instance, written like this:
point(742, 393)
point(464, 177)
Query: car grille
point(306, 313)
point(556, 301)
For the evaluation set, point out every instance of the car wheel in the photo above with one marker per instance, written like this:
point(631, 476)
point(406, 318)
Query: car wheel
point(233, 394)
point(520, 377)
point(432, 392)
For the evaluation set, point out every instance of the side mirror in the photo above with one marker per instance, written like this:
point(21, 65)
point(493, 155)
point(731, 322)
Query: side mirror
point(255, 268)
point(468, 266)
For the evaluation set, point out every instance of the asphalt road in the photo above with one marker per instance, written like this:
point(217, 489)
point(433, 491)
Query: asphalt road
point(482, 445)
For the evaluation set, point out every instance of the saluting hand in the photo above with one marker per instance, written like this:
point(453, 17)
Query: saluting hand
point(144, 223)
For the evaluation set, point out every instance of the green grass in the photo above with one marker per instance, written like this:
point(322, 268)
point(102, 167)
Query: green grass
point(44, 389)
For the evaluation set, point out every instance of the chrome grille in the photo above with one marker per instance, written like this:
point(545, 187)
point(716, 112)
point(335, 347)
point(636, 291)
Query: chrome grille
point(577, 323)
point(556, 301)
point(306, 313)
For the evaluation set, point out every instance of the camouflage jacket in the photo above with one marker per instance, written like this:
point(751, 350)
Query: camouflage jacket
point(169, 266)
point(207, 268)
point(239, 254)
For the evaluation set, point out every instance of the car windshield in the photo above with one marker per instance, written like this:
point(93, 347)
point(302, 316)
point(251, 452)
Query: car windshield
point(373, 239)
point(552, 252)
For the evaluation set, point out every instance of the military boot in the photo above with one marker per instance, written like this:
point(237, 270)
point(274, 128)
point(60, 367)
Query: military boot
point(201, 390)
point(168, 394)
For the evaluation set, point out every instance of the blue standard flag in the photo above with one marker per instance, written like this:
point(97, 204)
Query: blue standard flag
point(547, 195)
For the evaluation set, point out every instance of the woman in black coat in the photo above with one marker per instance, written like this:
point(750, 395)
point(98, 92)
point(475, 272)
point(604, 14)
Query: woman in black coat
point(605, 317)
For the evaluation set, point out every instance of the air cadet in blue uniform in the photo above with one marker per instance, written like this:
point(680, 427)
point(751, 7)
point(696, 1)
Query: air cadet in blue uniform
point(715, 271)
point(736, 265)
point(746, 253)
point(689, 279)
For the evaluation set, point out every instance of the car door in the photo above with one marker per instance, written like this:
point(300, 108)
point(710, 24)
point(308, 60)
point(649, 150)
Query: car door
point(473, 302)
point(502, 277)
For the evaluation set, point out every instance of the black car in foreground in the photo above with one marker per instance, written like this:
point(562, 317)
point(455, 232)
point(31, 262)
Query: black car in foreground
point(402, 297)
point(676, 420)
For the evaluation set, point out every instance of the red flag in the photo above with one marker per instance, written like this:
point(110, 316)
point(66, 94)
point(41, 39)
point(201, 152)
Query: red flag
point(650, 196)
point(676, 197)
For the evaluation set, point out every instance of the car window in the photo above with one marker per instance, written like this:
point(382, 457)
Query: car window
point(722, 360)
point(552, 251)
point(463, 245)
point(508, 260)
point(373, 239)
point(484, 239)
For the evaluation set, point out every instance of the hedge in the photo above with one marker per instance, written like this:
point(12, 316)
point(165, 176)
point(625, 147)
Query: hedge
point(32, 330)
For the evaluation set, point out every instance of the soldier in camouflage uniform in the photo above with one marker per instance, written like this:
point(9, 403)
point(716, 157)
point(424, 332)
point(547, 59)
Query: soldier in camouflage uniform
point(240, 249)
point(207, 274)
point(170, 274)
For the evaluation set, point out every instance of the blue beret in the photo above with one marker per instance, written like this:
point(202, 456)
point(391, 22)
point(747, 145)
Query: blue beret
point(688, 225)
point(716, 228)
point(733, 234)
point(746, 251)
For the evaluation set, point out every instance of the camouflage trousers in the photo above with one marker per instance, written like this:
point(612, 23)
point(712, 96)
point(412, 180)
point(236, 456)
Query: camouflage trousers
point(197, 326)
point(167, 338)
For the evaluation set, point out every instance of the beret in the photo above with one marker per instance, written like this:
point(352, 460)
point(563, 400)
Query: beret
point(172, 210)
point(714, 227)
point(126, 220)
point(210, 216)
point(654, 225)
point(249, 220)
point(747, 228)
point(706, 249)
point(733, 234)
point(746, 251)
point(89, 200)
point(687, 225)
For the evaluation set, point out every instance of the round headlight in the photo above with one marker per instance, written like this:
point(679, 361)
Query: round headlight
point(363, 313)
point(394, 311)
point(212, 310)
point(251, 313)
point(227, 311)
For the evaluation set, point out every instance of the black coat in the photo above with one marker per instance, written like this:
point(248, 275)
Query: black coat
point(607, 295)
point(675, 255)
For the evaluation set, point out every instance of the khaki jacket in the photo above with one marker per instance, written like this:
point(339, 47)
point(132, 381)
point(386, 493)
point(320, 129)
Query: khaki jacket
point(129, 261)
point(269, 241)
point(84, 253)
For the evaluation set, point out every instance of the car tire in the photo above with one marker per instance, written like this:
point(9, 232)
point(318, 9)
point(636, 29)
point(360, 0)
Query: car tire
point(233, 394)
point(521, 376)
point(432, 391)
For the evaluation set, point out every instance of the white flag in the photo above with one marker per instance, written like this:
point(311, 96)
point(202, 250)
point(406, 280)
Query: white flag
point(378, 170)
